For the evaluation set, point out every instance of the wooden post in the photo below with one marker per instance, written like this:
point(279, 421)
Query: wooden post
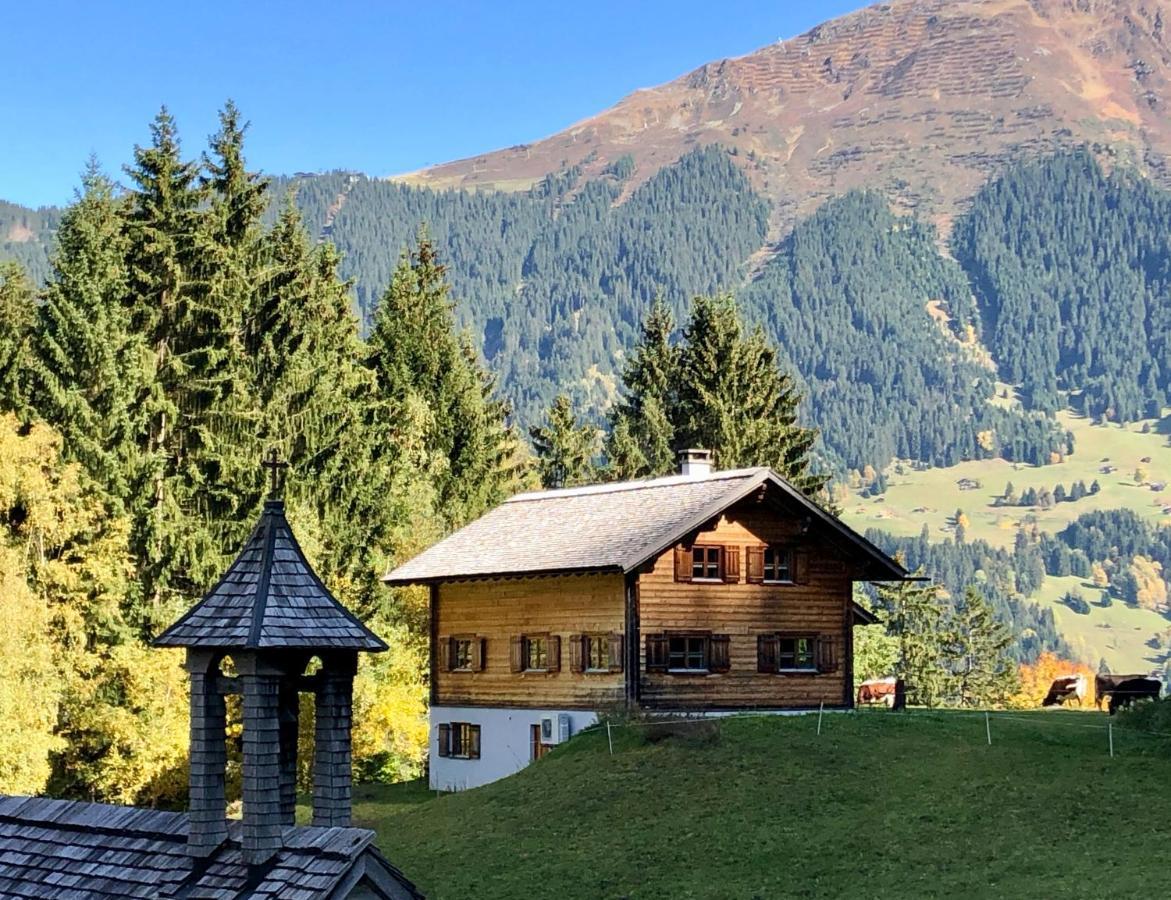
point(610, 738)
point(820, 711)
point(1110, 733)
point(988, 726)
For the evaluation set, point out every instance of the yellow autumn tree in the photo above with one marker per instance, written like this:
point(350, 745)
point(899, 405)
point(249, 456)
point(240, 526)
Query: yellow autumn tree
point(1037, 678)
point(1150, 588)
point(1098, 575)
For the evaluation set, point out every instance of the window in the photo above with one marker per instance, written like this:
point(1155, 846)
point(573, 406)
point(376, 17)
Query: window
point(796, 654)
point(594, 654)
point(687, 653)
point(461, 654)
point(459, 740)
point(778, 564)
point(536, 653)
point(705, 563)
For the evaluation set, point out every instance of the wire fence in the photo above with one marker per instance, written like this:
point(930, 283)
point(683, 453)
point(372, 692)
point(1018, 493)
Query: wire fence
point(1041, 720)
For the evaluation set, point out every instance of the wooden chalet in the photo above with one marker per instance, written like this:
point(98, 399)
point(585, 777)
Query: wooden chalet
point(704, 592)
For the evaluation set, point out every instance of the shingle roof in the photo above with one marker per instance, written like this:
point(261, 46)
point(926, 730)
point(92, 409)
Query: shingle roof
point(615, 527)
point(68, 849)
point(270, 597)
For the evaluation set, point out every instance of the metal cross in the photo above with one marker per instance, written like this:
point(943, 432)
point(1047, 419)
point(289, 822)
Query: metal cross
point(274, 464)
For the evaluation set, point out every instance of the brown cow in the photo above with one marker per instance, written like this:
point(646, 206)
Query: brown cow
point(877, 690)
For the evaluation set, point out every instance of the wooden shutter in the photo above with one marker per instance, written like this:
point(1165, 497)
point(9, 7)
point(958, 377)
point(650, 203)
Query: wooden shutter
point(516, 654)
point(553, 663)
point(682, 563)
point(718, 657)
point(446, 655)
point(755, 565)
point(479, 653)
point(615, 651)
point(767, 651)
point(473, 742)
point(444, 740)
point(731, 560)
point(827, 656)
point(801, 565)
point(656, 653)
point(577, 652)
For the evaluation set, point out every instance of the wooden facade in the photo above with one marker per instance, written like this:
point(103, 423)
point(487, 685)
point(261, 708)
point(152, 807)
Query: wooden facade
point(737, 618)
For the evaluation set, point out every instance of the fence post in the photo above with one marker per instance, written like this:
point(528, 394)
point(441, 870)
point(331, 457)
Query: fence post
point(610, 738)
point(820, 711)
point(988, 727)
point(1110, 732)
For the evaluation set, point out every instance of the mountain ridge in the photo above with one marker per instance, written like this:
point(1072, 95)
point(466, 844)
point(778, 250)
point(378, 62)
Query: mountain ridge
point(965, 88)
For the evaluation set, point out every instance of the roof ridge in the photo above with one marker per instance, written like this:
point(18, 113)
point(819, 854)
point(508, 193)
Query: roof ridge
point(635, 484)
point(271, 509)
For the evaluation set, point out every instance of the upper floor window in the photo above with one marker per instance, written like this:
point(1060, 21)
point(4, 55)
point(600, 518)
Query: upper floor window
point(462, 653)
point(596, 653)
point(777, 564)
point(536, 653)
point(707, 562)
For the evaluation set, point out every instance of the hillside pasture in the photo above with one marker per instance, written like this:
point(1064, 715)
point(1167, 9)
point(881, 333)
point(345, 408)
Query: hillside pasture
point(931, 496)
point(880, 805)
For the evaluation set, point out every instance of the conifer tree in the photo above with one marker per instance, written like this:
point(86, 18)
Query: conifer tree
point(420, 362)
point(565, 450)
point(981, 671)
point(913, 615)
point(17, 316)
point(642, 436)
point(735, 399)
point(87, 366)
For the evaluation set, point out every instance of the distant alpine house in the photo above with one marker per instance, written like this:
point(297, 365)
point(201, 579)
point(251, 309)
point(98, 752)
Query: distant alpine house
point(703, 592)
point(270, 616)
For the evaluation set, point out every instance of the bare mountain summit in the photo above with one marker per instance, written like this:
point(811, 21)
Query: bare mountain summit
point(923, 99)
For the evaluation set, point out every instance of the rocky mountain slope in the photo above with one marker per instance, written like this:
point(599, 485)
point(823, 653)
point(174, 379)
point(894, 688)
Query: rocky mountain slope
point(922, 99)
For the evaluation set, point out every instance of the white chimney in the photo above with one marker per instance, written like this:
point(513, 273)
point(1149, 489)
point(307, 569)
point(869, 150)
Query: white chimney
point(695, 463)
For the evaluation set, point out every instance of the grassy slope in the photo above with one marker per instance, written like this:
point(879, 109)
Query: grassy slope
point(880, 805)
point(1119, 633)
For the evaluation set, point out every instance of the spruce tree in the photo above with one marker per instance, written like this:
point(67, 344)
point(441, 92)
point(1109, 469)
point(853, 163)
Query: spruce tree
point(641, 441)
point(17, 317)
point(735, 399)
point(913, 615)
point(87, 363)
point(981, 671)
point(565, 450)
point(421, 362)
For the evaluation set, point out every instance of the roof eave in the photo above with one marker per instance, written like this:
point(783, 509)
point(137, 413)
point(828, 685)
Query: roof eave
point(613, 568)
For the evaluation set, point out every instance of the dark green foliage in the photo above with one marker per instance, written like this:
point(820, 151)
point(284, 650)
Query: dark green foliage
point(1075, 601)
point(913, 613)
point(87, 373)
point(418, 360)
point(1071, 267)
point(565, 449)
point(846, 299)
point(17, 321)
point(981, 671)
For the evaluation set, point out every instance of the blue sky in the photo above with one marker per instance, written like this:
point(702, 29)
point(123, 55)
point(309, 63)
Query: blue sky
point(377, 87)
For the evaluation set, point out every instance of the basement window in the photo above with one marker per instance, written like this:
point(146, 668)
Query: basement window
point(459, 740)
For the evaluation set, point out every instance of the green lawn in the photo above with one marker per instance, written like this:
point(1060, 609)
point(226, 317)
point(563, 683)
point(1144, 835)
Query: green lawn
point(879, 805)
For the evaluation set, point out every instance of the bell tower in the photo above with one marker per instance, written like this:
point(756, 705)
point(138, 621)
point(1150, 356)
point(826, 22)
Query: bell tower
point(271, 615)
